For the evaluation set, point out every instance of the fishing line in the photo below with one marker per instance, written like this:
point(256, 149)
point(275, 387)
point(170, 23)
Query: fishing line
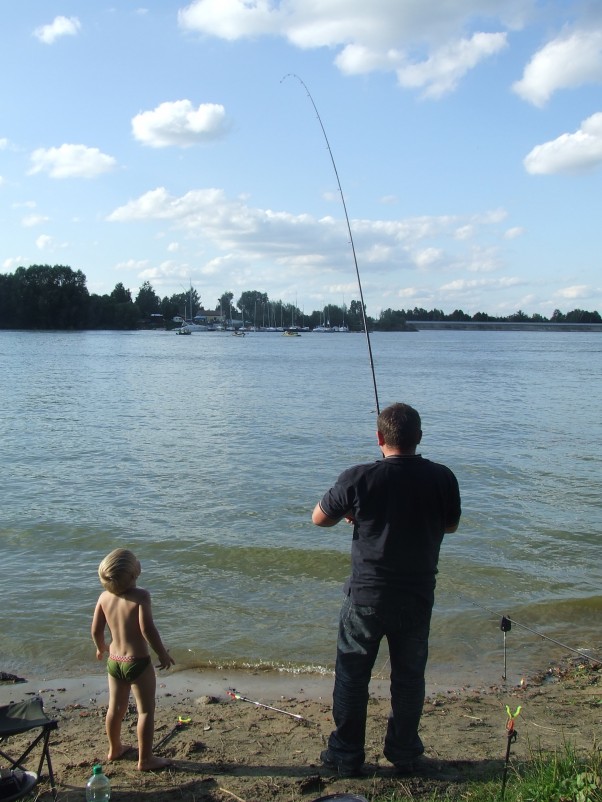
point(506, 621)
point(357, 270)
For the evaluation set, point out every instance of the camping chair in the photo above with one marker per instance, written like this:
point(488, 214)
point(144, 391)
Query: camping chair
point(21, 717)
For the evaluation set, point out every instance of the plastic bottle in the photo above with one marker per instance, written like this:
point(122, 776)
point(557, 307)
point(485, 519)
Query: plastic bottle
point(98, 787)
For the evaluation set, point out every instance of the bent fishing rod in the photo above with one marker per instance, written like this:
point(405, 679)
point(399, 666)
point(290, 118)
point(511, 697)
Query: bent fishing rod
point(506, 620)
point(357, 270)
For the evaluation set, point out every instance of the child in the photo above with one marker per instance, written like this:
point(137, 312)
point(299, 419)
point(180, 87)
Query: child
point(126, 610)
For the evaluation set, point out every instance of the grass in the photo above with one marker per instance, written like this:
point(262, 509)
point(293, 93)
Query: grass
point(563, 777)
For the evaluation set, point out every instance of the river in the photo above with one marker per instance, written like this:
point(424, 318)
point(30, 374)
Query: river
point(206, 454)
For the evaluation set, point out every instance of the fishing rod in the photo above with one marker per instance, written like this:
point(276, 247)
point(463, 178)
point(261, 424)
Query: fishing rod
point(506, 624)
point(235, 695)
point(357, 270)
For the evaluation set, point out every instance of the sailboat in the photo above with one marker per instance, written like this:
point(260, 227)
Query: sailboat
point(189, 326)
point(324, 326)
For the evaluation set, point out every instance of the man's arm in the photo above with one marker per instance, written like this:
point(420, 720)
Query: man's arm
point(319, 517)
point(449, 530)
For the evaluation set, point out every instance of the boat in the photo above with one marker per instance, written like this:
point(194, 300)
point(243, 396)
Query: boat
point(196, 327)
point(324, 326)
point(183, 330)
point(290, 333)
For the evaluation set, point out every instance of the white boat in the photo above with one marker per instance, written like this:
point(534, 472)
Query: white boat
point(183, 330)
point(196, 327)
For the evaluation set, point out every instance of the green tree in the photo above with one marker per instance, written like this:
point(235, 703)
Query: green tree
point(582, 316)
point(187, 303)
point(120, 295)
point(459, 316)
point(224, 302)
point(121, 312)
point(253, 302)
point(147, 301)
point(169, 309)
point(46, 297)
point(392, 320)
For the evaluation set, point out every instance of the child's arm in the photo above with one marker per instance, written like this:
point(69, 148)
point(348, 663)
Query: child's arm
point(151, 633)
point(99, 623)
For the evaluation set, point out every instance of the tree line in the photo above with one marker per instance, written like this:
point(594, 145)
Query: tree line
point(56, 297)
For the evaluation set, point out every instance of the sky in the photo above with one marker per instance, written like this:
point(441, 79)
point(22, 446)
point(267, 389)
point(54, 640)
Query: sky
point(451, 148)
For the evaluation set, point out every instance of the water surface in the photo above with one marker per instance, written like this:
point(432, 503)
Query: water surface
point(206, 455)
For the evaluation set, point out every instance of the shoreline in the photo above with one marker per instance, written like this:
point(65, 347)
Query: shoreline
point(229, 748)
point(175, 686)
point(180, 683)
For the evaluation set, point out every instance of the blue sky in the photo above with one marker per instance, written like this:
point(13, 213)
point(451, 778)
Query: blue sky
point(159, 142)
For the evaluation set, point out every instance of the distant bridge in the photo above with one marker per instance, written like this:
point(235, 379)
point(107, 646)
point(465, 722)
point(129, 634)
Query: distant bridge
point(473, 325)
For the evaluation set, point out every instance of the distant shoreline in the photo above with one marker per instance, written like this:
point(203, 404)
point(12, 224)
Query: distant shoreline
point(472, 325)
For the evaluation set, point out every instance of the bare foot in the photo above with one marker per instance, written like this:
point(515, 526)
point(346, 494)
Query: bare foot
point(120, 752)
point(154, 763)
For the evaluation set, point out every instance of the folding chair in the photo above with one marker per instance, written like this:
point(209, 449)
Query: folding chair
point(21, 717)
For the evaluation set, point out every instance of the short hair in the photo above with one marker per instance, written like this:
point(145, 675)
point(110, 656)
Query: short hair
point(400, 426)
point(119, 570)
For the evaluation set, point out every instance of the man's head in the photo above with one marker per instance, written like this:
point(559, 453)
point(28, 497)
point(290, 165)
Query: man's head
point(399, 427)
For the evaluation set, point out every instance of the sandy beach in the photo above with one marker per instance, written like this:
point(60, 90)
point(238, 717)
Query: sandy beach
point(235, 749)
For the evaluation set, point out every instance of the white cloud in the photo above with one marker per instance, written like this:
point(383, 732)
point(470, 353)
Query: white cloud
point(574, 292)
point(32, 220)
point(442, 71)
point(60, 26)
point(427, 257)
point(13, 262)
point(464, 232)
point(44, 242)
point(179, 123)
point(71, 161)
point(461, 285)
point(579, 152)
point(570, 60)
point(234, 235)
point(173, 247)
point(3, 143)
point(384, 35)
point(514, 232)
point(409, 292)
point(131, 264)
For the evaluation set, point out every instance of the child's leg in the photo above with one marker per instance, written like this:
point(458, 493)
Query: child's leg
point(144, 692)
point(119, 694)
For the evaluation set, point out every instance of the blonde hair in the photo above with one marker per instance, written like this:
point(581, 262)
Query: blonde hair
point(119, 570)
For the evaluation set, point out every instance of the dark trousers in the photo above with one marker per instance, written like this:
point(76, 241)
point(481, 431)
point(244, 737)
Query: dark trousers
point(361, 629)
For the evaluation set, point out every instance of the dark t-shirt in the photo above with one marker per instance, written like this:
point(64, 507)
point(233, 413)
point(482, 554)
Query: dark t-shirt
point(401, 507)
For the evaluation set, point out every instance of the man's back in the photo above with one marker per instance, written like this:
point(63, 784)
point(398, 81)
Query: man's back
point(401, 507)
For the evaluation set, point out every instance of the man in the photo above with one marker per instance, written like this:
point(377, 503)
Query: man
point(400, 508)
